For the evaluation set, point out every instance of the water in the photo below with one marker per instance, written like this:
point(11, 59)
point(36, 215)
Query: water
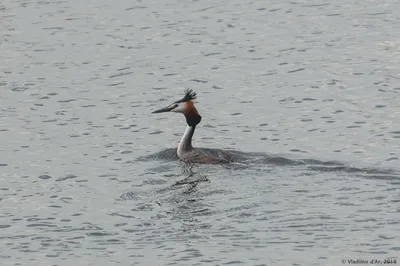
point(307, 92)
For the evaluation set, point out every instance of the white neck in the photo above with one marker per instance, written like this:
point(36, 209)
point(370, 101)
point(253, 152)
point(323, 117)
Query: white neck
point(186, 141)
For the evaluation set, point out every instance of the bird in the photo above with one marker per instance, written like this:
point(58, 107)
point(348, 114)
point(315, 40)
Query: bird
point(185, 150)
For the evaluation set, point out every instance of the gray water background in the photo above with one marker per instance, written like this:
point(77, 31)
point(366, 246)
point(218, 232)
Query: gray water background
point(309, 90)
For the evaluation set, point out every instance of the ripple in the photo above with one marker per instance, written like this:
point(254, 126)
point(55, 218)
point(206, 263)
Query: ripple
point(315, 167)
point(296, 70)
point(44, 177)
point(66, 178)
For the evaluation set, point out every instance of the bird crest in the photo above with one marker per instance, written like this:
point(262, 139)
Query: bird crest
point(189, 95)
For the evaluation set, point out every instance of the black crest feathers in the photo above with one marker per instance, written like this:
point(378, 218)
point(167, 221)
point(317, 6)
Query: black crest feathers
point(189, 95)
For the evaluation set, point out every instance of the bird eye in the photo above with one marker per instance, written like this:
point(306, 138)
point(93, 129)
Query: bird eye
point(176, 105)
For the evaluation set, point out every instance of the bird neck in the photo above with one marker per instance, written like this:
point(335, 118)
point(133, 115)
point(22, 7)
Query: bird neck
point(186, 141)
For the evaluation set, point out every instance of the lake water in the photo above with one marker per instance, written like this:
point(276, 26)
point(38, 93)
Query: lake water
point(307, 92)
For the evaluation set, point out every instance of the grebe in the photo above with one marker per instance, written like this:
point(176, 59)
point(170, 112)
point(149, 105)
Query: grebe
point(185, 150)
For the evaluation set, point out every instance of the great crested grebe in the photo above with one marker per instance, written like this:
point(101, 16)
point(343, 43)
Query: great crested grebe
point(185, 150)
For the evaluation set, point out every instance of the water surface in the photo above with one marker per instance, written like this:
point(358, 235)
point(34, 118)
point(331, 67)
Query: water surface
point(306, 91)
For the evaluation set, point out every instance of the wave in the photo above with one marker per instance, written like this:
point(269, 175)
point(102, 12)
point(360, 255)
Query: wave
point(249, 159)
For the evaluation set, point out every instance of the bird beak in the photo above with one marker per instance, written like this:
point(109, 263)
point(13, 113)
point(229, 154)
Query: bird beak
point(163, 110)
